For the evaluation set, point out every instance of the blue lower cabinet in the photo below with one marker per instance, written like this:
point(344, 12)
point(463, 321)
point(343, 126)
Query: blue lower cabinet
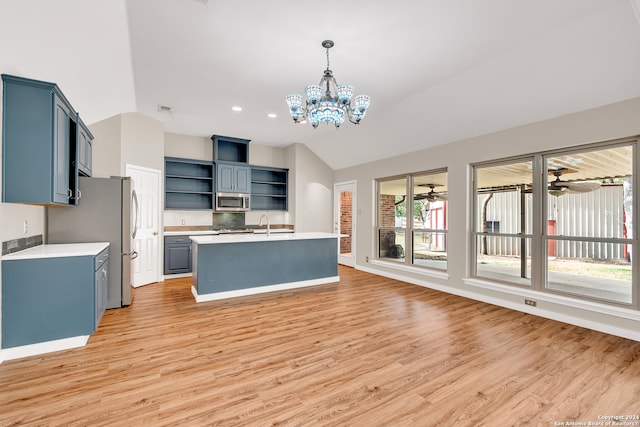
point(101, 279)
point(177, 254)
point(46, 299)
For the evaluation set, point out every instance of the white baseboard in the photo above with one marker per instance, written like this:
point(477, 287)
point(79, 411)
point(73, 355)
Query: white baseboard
point(262, 289)
point(43, 347)
point(176, 276)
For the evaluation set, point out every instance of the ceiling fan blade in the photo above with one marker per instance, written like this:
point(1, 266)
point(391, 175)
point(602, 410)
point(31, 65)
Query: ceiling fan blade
point(559, 188)
point(582, 187)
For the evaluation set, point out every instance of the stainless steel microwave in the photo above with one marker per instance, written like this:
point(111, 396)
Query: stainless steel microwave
point(232, 202)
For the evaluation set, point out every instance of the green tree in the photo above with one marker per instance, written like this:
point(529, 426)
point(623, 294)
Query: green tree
point(420, 208)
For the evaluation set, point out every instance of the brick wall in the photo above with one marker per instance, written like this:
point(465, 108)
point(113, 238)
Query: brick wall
point(386, 218)
point(346, 221)
point(387, 210)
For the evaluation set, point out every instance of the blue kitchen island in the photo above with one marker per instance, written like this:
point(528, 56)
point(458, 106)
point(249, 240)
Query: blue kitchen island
point(227, 266)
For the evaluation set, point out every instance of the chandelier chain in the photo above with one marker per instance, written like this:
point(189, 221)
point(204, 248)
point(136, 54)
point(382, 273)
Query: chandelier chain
point(328, 59)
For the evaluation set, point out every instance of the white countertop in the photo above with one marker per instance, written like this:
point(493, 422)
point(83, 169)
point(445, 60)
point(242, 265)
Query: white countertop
point(275, 230)
point(190, 233)
point(215, 232)
point(259, 237)
point(58, 250)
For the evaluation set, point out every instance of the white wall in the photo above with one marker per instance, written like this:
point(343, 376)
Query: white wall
point(264, 155)
point(142, 142)
point(106, 152)
point(188, 147)
point(601, 124)
point(128, 138)
point(313, 189)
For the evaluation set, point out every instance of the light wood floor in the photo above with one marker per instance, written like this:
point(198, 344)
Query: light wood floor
point(368, 351)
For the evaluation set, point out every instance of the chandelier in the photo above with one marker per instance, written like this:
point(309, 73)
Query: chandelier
point(328, 101)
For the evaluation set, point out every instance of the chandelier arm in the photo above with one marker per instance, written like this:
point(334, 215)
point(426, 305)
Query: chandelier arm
point(352, 121)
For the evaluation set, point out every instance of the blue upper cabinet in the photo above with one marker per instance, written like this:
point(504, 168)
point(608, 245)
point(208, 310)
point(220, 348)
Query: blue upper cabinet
point(85, 140)
point(63, 186)
point(231, 157)
point(39, 144)
point(232, 178)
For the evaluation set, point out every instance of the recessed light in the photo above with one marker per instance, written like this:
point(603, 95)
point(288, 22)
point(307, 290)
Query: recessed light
point(236, 108)
point(272, 115)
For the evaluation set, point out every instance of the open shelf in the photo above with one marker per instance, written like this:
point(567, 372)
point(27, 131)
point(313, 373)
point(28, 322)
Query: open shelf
point(269, 188)
point(228, 149)
point(188, 184)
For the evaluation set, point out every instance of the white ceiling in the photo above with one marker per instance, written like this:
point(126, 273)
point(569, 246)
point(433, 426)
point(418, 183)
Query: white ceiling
point(437, 71)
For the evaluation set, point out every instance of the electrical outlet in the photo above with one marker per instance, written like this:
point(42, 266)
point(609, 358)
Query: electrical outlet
point(25, 227)
point(530, 302)
point(366, 259)
point(183, 221)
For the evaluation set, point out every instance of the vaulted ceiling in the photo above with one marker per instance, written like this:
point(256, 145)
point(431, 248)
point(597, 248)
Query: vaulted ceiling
point(437, 71)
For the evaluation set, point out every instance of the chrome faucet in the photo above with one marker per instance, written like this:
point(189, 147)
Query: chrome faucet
point(268, 223)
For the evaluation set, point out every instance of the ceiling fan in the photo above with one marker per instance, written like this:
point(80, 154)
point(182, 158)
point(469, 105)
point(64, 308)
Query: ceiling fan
point(432, 195)
point(558, 187)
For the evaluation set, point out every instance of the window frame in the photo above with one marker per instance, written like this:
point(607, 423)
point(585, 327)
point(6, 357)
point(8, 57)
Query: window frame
point(476, 234)
point(540, 208)
point(410, 229)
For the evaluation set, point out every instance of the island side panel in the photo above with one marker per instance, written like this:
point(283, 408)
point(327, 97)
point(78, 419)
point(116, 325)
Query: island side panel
point(234, 266)
point(46, 299)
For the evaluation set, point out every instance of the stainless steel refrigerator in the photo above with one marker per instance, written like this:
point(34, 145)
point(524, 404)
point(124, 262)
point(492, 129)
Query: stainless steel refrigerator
point(106, 212)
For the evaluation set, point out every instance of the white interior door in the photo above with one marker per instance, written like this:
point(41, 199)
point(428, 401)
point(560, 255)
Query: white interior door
point(146, 184)
point(344, 218)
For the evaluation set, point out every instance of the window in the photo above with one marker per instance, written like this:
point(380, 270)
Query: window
point(587, 239)
point(412, 219)
point(560, 222)
point(392, 218)
point(503, 221)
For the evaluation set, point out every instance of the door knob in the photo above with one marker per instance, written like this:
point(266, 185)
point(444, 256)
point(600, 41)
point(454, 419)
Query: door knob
point(155, 233)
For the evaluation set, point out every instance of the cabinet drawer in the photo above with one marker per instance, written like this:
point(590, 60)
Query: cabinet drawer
point(100, 259)
point(168, 240)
